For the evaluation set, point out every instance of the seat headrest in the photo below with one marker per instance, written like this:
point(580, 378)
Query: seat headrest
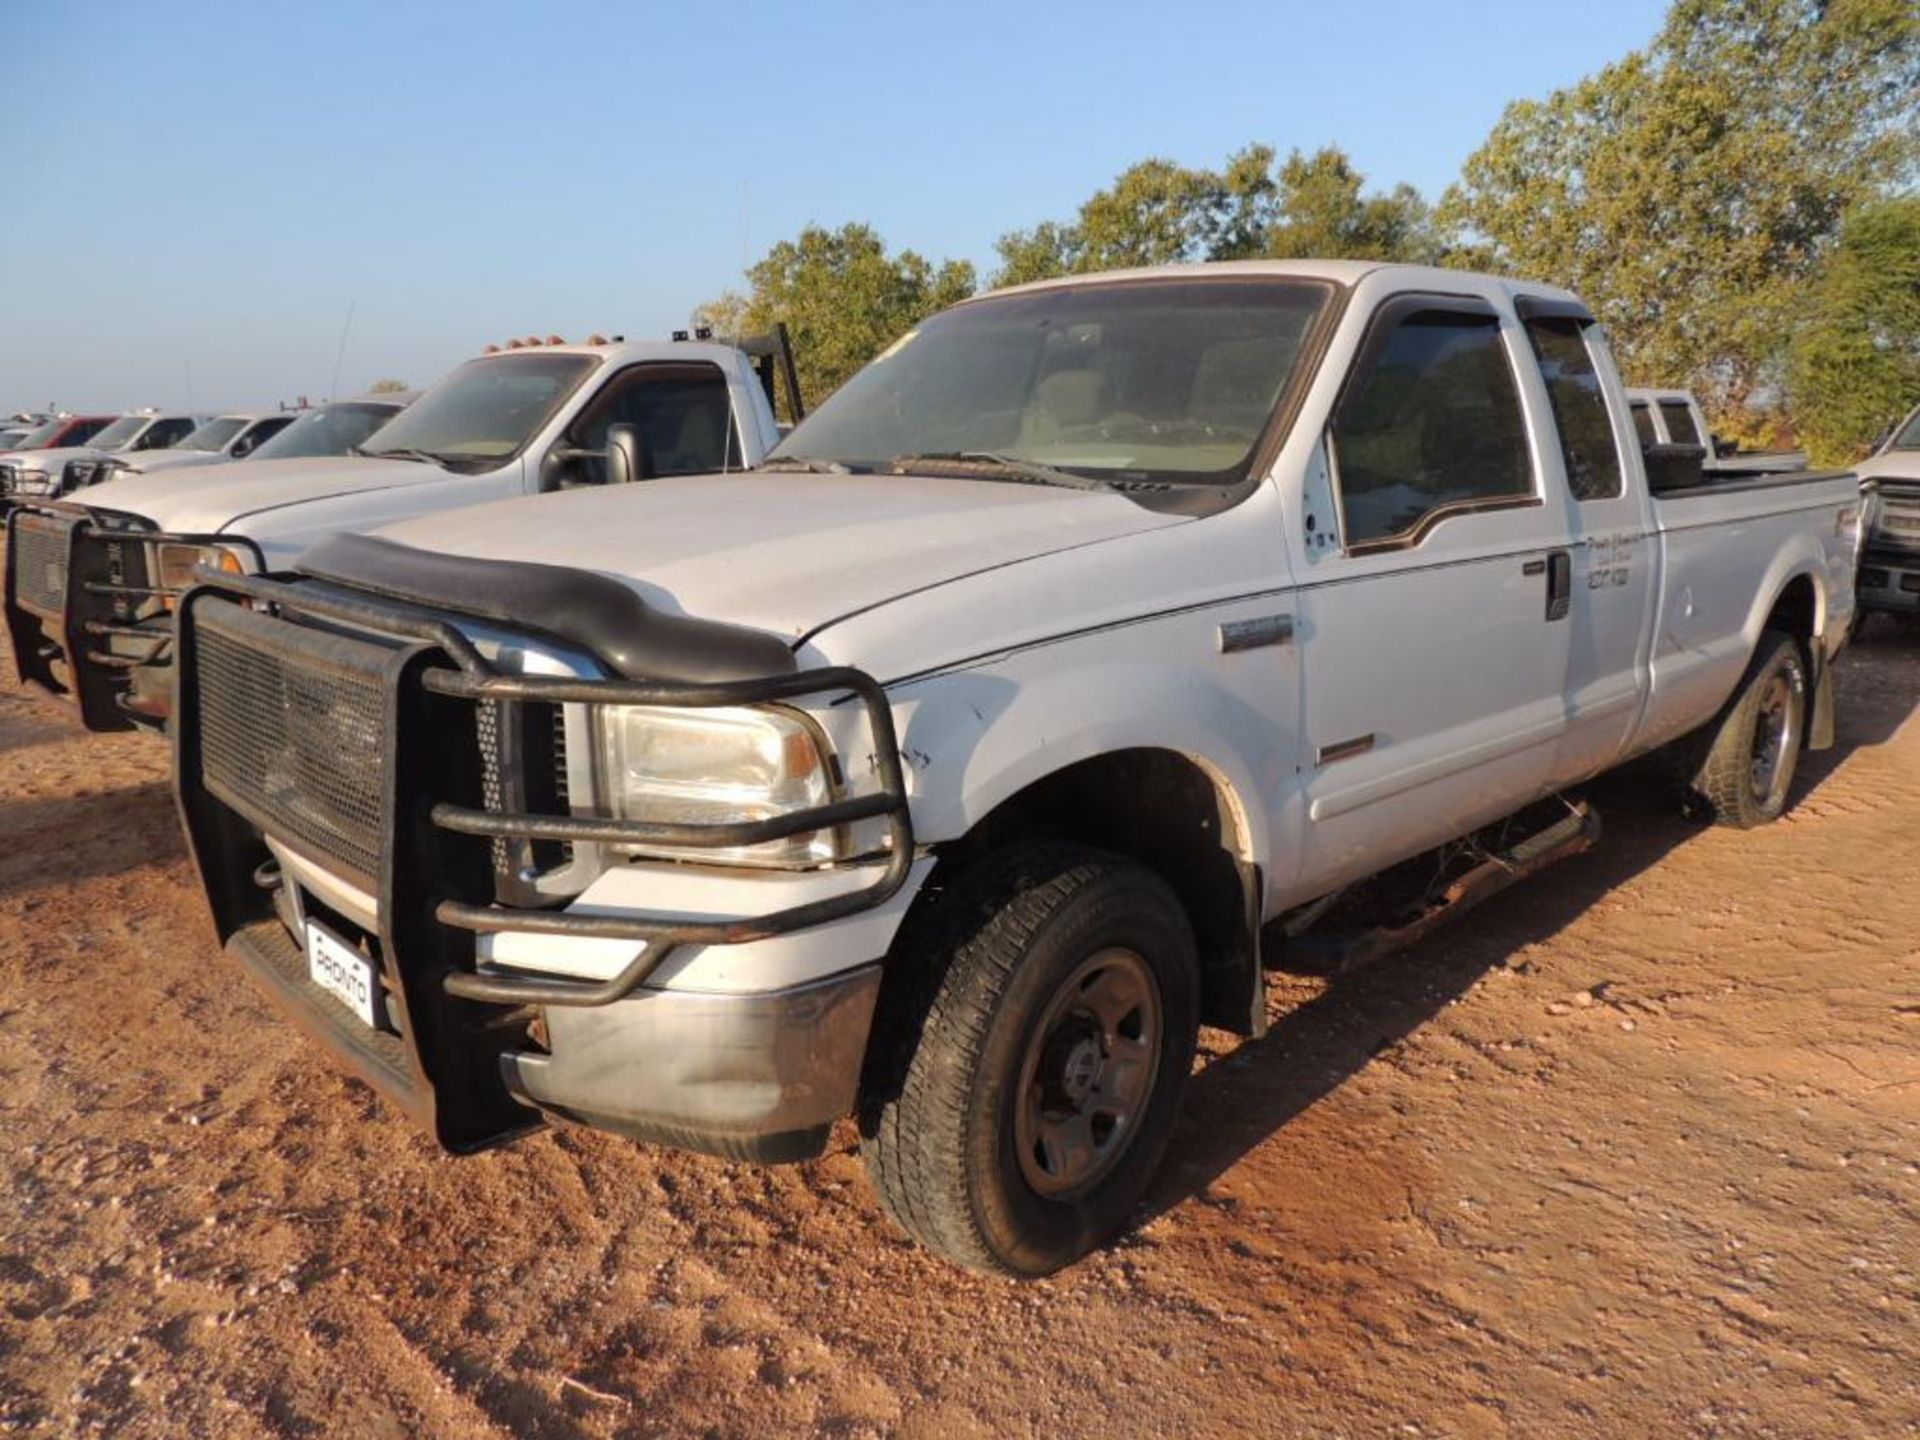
point(1074, 397)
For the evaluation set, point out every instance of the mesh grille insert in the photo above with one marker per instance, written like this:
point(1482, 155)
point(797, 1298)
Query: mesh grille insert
point(40, 553)
point(293, 726)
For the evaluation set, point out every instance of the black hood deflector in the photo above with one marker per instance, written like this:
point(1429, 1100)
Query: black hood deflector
point(581, 607)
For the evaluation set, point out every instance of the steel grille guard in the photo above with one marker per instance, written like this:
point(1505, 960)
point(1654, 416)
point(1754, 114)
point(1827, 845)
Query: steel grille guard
point(471, 677)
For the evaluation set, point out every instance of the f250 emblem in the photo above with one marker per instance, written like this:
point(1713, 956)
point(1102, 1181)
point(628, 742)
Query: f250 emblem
point(1610, 562)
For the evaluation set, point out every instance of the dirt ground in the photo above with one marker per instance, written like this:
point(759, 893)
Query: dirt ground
point(1634, 1150)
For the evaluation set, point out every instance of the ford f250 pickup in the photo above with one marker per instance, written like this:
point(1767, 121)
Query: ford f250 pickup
point(1890, 568)
point(91, 581)
point(952, 767)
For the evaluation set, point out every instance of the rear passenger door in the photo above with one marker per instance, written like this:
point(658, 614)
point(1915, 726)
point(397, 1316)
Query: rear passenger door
point(1434, 644)
point(1610, 611)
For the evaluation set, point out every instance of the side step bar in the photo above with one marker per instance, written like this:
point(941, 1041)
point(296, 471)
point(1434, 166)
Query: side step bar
point(1342, 954)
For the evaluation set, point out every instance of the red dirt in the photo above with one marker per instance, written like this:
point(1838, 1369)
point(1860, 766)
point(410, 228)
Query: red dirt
point(1633, 1150)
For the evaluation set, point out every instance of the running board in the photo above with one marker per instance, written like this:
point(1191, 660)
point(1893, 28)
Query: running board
point(1343, 954)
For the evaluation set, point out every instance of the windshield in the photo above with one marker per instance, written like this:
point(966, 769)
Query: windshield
point(213, 435)
point(1168, 381)
point(485, 411)
point(37, 439)
point(1908, 437)
point(121, 431)
point(330, 430)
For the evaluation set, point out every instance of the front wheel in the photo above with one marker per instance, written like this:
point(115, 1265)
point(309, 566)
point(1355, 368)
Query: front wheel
point(1754, 749)
point(1039, 1062)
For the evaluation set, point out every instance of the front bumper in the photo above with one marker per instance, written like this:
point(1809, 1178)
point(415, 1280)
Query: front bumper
point(752, 1077)
point(1889, 582)
point(757, 1076)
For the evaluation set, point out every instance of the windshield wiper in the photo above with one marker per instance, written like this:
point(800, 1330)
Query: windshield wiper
point(1030, 471)
point(404, 452)
point(808, 464)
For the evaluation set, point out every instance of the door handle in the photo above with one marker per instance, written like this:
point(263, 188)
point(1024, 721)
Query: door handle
point(1559, 584)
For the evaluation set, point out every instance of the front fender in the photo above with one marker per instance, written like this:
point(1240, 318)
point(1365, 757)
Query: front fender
point(976, 738)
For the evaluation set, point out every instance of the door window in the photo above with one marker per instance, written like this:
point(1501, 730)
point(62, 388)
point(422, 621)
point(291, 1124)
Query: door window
point(684, 416)
point(1429, 423)
point(1579, 407)
point(162, 433)
point(262, 431)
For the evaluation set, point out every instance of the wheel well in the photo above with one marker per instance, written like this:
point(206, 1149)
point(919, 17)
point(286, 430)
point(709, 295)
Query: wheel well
point(1796, 611)
point(1164, 810)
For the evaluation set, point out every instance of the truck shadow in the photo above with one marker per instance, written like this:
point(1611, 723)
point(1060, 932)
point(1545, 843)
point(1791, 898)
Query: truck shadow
point(55, 842)
point(1255, 1089)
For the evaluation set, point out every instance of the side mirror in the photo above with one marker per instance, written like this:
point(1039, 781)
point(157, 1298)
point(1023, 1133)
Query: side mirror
point(1674, 467)
point(626, 460)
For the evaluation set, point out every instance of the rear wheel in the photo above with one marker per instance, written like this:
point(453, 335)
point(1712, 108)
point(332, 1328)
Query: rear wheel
point(1751, 754)
point(1040, 1060)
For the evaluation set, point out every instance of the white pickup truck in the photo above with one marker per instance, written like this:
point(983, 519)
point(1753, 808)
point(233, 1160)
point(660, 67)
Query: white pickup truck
point(220, 440)
point(1890, 568)
point(948, 768)
point(1674, 417)
point(91, 581)
point(40, 474)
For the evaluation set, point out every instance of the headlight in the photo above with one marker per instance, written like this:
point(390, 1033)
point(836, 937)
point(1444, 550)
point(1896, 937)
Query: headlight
point(713, 767)
point(173, 562)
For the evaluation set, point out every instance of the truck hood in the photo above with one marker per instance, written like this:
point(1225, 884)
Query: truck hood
point(204, 500)
point(53, 461)
point(1892, 465)
point(788, 553)
point(156, 460)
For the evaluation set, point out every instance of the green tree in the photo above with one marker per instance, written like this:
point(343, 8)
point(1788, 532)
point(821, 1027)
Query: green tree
point(1161, 213)
point(1321, 213)
point(842, 297)
point(1690, 190)
point(388, 387)
point(1854, 365)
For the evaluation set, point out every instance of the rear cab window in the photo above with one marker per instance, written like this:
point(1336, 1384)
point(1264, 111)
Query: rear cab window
point(1679, 420)
point(1579, 405)
point(1643, 423)
point(1428, 424)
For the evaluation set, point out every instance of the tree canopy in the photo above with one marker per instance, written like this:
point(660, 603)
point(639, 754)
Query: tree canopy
point(1854, 362)
point(1160, 213)
point(1690, 190)
point(1734, 200)
point(843, 299)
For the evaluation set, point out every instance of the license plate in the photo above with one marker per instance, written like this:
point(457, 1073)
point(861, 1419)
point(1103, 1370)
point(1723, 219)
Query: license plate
point(343, 973)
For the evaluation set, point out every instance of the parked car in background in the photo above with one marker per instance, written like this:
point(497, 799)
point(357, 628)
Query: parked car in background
point(41, 473)
point(946, 769)
point(223, 438)
point(1674, 417)
point(1890, 567)
point(59, 432)
point(91, 581)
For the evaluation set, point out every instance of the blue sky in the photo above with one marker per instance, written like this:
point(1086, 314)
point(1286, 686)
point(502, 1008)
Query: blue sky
point(196, 194)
